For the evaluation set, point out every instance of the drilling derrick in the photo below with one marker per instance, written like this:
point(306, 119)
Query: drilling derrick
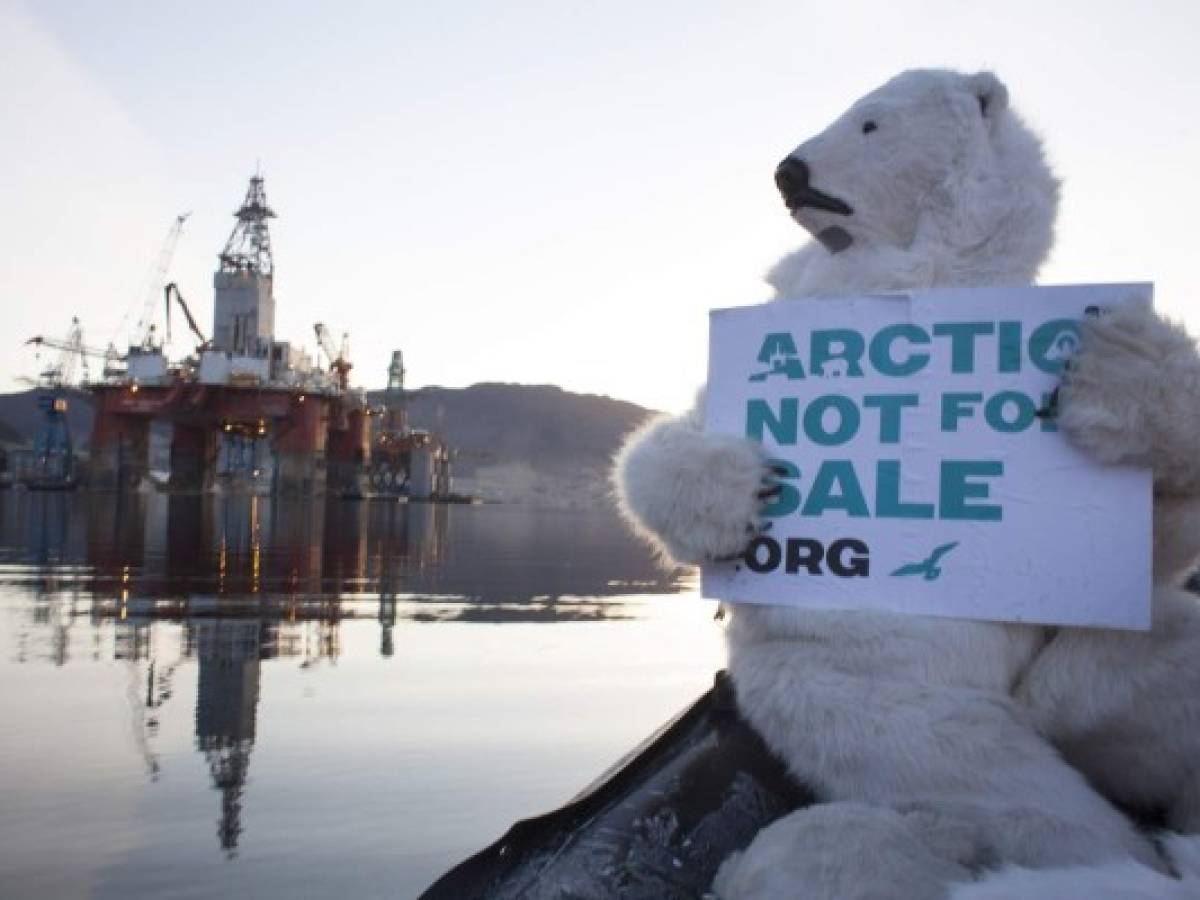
point(391, 455)
point(393, 398)
point(249, 246)
point(244, 306)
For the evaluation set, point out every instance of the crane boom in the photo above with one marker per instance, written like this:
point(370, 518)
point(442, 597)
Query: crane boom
point(67, 344)
point(173, 289)
point(325, 340)
point(339, 361)
point(73, 356)
point(158, 275)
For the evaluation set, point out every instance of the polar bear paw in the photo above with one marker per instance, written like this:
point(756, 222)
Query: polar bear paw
point(696, 496)
point(842, 851)
point(1117, 880)
point(1128, 396)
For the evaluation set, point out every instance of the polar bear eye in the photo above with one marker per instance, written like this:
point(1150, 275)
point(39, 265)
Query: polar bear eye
point(869, 126)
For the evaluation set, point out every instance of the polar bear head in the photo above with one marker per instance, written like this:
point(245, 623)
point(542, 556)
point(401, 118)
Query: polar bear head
point(933, 172)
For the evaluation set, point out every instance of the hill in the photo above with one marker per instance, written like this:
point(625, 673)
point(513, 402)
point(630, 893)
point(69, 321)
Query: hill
point(21, 418)
point(518, 443)
point(527, 443)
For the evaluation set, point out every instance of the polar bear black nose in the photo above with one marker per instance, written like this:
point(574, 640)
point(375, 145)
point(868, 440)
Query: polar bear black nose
point(791, 177)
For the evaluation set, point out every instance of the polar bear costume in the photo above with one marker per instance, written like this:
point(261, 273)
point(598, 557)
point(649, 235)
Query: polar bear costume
point(907, 726)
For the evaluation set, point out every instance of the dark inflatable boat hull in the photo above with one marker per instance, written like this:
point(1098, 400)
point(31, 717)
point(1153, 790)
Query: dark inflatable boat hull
point(656, 827)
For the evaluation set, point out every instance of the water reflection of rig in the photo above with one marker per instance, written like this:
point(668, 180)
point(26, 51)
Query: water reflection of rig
point(228, 656)
point(262, 585)
point(244, 412)
point(216, 593)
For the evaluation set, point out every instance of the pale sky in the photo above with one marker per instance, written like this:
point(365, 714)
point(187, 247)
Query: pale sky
point(550, 192)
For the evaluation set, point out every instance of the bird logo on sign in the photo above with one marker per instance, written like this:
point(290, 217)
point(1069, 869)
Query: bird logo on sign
point(928, 568)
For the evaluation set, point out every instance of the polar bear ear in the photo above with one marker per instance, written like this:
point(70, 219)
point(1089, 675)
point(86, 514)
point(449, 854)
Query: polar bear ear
point(991, 94)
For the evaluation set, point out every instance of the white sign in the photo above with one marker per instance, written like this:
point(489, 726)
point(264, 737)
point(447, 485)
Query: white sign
point(913, 472)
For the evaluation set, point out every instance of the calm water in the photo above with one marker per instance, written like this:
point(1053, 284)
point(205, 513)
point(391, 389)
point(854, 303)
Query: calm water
point(207, 697)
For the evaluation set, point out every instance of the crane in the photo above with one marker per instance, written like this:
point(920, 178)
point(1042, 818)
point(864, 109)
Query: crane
point(339, 357)
point(73, 358)
point(54, 456)
point(158, 275)
point(170, 290)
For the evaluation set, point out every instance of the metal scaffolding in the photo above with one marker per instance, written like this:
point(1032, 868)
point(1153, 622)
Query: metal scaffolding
point(249, 246)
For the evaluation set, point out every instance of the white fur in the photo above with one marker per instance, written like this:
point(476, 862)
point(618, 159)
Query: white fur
point(858, 852)
point(895, 711)
point(1124, 708)
point(1130, 397)
point(851, 851)
point(1124, 880)
point(670, 495)
point(943, 195)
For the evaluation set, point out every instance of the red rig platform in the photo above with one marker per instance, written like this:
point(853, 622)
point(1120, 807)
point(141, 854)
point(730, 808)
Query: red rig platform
point(245, 412)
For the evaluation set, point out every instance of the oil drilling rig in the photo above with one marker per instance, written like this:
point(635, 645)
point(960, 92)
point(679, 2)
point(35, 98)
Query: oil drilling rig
point(243, 411)
point(406, 461)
